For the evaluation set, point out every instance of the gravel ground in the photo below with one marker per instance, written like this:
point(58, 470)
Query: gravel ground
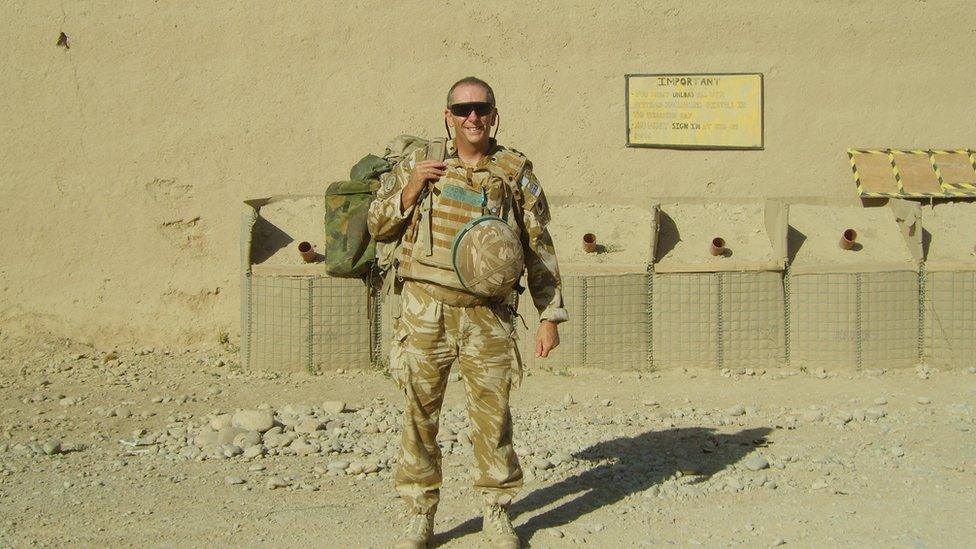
point(179, 447)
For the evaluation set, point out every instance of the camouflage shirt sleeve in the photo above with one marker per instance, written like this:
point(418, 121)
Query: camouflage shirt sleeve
point(545, 285)
point(385, 219)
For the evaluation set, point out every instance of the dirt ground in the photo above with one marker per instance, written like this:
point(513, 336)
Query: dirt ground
point(680, 457)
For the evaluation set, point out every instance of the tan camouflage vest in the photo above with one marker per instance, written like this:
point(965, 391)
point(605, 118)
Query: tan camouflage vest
point(457, 198)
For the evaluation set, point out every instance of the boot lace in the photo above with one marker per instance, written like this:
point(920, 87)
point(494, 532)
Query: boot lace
point(418, 527)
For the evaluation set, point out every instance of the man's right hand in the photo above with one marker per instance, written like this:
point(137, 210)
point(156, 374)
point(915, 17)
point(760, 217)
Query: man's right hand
point(423, 171)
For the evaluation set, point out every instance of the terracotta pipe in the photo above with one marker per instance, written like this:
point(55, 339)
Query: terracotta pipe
point(306, 251)
point(589, 243)
point(848, 238)
point(718, 246)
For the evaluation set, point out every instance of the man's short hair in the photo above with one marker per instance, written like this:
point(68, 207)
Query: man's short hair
point(477, 82)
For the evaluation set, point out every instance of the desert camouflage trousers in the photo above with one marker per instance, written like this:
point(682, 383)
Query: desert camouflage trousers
point(427, 337)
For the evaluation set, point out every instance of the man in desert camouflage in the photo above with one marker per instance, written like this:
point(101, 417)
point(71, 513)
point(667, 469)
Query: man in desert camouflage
point(437, 319)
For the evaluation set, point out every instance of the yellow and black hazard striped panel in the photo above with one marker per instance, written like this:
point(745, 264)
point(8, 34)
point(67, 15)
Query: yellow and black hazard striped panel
point(956, 171)
point(873, 172)
point(896, 173)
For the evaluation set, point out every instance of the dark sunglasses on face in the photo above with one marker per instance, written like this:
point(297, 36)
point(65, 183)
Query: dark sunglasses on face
point(463, 110)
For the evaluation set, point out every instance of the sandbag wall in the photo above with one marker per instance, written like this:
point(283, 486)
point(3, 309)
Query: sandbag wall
point(294, 317)
point(856, 304)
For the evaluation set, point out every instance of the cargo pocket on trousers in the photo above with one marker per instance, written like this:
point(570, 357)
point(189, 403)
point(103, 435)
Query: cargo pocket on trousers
point(398, 367)
point(506, 318)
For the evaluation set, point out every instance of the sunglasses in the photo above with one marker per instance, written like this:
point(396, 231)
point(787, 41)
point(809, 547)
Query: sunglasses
point(463, 110)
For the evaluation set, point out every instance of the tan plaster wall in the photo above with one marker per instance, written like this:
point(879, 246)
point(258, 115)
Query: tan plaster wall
point(123, 160)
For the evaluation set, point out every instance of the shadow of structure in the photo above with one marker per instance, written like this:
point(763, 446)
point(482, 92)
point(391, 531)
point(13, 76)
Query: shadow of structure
point(268, 239)
point(794, 241)
point(627, 465)
point(667, 236)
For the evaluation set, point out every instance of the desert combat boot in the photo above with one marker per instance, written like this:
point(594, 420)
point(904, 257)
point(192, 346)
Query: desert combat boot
point(497, 527)
point(417, 533)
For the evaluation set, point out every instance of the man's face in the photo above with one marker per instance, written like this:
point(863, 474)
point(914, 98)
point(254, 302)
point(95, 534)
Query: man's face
point(470, 128)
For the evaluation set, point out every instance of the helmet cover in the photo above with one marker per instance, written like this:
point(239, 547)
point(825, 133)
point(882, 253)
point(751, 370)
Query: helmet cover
point(487, 257)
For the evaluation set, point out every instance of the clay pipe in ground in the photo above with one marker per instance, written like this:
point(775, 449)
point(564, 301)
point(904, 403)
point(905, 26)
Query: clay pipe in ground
point(306, 251)
point(847, 239)
point(589, 243)
point(718, 246)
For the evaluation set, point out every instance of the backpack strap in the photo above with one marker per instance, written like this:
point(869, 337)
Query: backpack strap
point(436, 149)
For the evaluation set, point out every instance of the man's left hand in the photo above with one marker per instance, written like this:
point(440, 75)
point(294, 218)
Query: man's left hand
point(546, 338)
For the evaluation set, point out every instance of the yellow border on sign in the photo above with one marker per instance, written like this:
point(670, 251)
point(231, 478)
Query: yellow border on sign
point(697, 146)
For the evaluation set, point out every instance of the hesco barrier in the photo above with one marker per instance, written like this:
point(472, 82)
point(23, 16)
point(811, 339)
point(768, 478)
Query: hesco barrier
point(725, 319)
point(608, 326)
point(305, 323)
point(719, 305)
point(949, 321)
point(295, 318)
point(854, 319)
point(733, 320)
point(858, 306)
point(949, 284)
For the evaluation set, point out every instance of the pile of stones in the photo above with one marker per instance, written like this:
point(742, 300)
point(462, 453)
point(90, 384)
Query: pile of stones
point(330, 429)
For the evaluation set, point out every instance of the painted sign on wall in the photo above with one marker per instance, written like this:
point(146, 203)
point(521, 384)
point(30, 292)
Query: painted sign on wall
point(695, 111)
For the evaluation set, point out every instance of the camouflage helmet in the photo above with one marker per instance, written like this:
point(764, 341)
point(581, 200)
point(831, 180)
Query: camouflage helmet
point(487, 257)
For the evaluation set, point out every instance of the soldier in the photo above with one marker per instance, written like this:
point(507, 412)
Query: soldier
point(453, 299)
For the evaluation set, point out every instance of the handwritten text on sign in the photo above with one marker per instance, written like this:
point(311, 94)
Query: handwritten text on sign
point(695, 110)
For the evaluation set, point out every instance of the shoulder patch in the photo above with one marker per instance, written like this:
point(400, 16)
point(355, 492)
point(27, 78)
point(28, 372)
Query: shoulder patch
point(541, 210)
point(387, 185)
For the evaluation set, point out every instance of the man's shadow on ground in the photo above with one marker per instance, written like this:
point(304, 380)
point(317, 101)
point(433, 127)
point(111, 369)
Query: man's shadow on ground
point(634, 465)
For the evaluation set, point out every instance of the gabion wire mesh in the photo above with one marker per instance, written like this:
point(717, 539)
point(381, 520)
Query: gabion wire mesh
point(950, 318)
point(854, 319)
point(305, 323)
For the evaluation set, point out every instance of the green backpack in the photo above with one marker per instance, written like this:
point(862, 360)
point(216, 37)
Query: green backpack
point(350, 251)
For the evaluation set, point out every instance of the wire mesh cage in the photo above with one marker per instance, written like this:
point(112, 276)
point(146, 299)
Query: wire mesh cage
point(306, 323)
point(949, 284)
point(732, 320)
point(854, 286)
point(854, 319)
point(685, 319)
point(717, 289)
point(608, 324)
point(294, 317)
point(752, 327)
point(608, 328)
point(950, 318)
point(571, 352)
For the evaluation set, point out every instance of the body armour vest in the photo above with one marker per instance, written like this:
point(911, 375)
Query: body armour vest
point(463, 194)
